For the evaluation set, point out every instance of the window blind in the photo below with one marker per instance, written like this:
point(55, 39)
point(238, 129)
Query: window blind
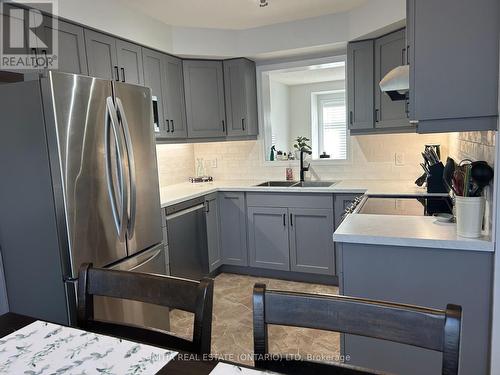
point(332, 125)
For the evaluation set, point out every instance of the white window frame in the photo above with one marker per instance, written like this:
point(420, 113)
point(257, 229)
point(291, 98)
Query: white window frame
point(264, 107)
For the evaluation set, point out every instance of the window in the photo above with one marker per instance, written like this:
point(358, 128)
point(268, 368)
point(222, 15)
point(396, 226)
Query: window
point(332, 126)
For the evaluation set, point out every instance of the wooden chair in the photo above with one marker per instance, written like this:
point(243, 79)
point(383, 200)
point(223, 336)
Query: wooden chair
point(417, 326)
point(172, 292)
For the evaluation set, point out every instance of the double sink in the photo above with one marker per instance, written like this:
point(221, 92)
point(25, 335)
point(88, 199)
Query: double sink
point(303, 184)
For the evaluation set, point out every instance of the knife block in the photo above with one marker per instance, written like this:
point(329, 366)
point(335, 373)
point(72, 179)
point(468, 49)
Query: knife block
point(435, 183)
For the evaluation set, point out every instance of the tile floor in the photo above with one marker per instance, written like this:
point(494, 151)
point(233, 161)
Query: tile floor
point(232, 335)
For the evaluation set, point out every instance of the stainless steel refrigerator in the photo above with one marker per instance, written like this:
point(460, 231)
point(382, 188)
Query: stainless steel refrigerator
point(79, 184)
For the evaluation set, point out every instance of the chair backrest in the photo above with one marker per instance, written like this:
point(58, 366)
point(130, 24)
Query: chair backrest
point(437, 330)
point(172, 292)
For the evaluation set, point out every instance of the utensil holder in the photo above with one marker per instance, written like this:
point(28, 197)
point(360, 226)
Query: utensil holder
point(469, 213)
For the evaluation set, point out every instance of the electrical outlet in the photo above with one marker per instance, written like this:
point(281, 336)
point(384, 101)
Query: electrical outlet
point(399, 158)
point(213, 163)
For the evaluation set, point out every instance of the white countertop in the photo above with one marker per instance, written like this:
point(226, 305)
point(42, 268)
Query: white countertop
point(415, 231)
point(173, 194)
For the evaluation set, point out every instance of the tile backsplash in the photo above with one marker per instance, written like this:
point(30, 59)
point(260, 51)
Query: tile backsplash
point(175, 163)
point(473, 145)
point(371, 157)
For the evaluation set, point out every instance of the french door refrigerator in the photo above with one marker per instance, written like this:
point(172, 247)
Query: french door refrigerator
point(79, 184)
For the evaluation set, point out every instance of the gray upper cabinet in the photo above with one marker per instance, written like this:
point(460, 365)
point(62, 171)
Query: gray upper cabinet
point(233, 228)
point(268, 238)
point(114, 59)
point(311, 245)
point(241, 97)
point(213, 237)
point(71, 54)
point(153, 73)
point(390, 52)
point(453, 64)
point(204, 91)
point(130, 62)
point(360, 85)
point(101, 55)
point(174, 101)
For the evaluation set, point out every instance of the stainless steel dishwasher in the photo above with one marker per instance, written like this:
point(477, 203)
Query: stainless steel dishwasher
point(187, 239)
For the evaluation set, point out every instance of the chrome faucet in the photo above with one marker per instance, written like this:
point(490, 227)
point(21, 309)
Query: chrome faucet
point(302, 168)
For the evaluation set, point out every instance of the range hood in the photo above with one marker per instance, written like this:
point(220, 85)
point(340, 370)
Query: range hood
point(396, 83)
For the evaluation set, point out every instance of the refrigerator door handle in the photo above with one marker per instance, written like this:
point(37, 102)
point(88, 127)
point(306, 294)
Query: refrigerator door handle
point(119, 211)
point(131, 165)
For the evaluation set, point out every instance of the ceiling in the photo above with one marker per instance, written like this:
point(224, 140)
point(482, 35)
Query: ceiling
point(301, 77)
point(237, 14)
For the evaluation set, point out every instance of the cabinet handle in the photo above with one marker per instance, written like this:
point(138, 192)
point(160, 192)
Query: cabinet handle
point(350, 117)
point(243, 123)
point(291, 220)
point(223, 126)
point(117, 74)
point(173, 128)
point(403, 56)
point(207, 205)
point(284, 220)
point(123, 74)
point(168, 125)
point(408, 55)
point(376, 115)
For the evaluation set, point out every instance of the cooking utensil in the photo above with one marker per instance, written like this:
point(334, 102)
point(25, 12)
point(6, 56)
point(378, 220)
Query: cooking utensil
point(421, 180)
point(449, 169)
point(481, 174)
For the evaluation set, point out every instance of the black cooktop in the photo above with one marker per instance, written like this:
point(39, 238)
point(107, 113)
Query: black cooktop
point(406, 205)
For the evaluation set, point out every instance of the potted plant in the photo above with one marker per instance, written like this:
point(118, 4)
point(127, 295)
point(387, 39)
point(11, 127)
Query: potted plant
point(301, 144)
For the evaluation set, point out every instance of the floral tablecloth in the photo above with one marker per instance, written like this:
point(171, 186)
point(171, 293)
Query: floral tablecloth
point(45, 348)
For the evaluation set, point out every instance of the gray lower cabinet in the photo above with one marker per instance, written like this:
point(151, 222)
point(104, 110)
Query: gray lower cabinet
point(204, 92)
point(233, 228)
point(268, 238)
point(360, 85)
point(174, 102)
point(442, 96)
point(390, 52)
point(101, 55)
point(130, 62)
point(311, 244)
point(153, 63)
point(423, 277)
point(241, 97)
point(213, 237)
point(71, 54)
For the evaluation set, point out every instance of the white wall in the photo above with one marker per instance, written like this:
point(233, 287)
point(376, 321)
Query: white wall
point(300, 107)
point(305, 35)
point(280, 114)
point(114, 17)
point(495, 334)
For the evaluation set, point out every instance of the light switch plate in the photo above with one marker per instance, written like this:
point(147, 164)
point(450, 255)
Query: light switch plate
point(399, 158)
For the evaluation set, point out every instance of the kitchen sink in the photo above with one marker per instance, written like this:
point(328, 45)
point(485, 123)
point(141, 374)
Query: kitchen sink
point(304, 184)
point(277, 183)
point(307, 184)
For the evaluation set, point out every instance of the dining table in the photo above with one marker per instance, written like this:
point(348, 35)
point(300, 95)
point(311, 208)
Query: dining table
point(180, 363)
